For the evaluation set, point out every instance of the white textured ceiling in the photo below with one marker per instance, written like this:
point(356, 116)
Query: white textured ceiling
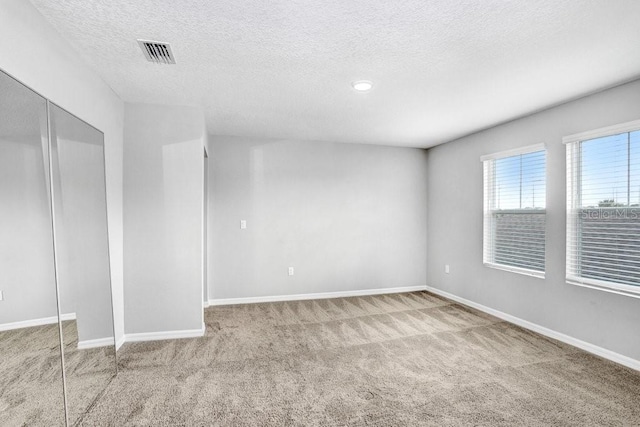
point(282, 68)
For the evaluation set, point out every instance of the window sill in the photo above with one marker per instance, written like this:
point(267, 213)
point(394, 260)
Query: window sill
point(518, 270)
point(601, 285)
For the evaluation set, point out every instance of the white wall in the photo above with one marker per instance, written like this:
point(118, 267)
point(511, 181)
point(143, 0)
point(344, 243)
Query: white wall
point(345, 216)
point(163, 177)
point(33, 52)
point(455, 227)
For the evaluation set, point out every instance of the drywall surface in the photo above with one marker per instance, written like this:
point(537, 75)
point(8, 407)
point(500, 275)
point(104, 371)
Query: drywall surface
point(455, 226)
point(34, 53)
point(344, 216)
point(164, 184)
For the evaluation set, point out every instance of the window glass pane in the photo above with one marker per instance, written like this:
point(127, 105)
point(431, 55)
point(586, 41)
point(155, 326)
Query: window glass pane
point(604, 223)
point(515, 220)
point(520, 181)
point(507, 184)
point(534, 186)
point(604, 171)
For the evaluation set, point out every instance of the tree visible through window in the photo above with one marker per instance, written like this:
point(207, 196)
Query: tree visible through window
point(515, 211)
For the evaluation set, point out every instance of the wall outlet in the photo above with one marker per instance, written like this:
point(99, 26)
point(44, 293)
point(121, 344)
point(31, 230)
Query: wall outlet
point(1, 296)
point(290, 271)
point(446, 268)
point(243, 224)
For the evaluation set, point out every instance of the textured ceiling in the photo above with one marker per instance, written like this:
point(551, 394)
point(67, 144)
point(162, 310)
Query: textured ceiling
point(282, 68)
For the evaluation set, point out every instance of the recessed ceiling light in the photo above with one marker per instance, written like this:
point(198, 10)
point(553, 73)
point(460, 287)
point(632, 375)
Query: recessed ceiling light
point(362, 85)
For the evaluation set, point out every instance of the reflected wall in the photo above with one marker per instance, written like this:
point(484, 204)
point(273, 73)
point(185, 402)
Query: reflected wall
point(82, 251)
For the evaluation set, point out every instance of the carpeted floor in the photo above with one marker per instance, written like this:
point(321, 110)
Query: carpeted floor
point(391, 360)
point(88, 372)
point(31, 376)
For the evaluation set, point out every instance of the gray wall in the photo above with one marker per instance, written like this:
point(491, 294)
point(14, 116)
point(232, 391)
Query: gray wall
point(455, 226)
point(345, 216)
point(164, 184)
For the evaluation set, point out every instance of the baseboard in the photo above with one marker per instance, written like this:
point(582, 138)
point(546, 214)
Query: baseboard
point(119, 342)
point(36, 322)
point(583, 345)
point(322, 295)
point(164, 335)
point(100, 342)
point(67, 316)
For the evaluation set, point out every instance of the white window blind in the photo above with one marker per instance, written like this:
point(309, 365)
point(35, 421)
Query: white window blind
point(515, 210)
point(603, 209)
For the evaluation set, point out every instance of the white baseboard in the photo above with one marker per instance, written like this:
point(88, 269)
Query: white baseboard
point(119, 342)
point(322, 295)
point(68, 316)
point(163, 335)
point(588, 347)
point(36, 322)
point(100, 342)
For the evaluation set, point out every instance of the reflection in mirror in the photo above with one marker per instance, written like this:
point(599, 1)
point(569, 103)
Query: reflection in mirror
point(80, 219)
point(31, 387)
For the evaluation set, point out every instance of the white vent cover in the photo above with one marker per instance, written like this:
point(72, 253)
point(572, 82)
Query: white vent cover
point(157, 52)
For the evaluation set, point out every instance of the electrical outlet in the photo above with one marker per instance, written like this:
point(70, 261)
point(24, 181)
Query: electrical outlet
point(290, 271)
point(446, 268)
point(243, 224)
point(1, 296)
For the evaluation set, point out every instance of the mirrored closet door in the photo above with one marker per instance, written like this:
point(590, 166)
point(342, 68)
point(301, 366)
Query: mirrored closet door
point(31, 391)
point(57, 350)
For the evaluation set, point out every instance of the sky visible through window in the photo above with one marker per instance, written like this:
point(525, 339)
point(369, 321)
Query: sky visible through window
point(520, 182)
point(610, 171)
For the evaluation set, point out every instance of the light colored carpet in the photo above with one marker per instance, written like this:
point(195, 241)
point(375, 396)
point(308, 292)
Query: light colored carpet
point(88, 372)
point(31, 376)
point(391, 360)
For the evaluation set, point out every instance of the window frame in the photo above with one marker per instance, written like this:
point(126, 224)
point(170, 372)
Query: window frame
point(573, 174)
point(488, 236)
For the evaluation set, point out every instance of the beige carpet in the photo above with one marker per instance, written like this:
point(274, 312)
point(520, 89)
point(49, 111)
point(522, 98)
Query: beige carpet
point(394, 360)
point(31, 376)
point(88, 372)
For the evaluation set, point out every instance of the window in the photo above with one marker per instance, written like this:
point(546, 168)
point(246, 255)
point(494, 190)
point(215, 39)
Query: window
point(603, 202)
point(515, 210)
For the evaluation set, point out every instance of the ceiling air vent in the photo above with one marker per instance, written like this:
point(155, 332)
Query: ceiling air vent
point(157, 52)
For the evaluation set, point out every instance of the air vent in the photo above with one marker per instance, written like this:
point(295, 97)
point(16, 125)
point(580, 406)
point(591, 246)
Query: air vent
point(157, 52)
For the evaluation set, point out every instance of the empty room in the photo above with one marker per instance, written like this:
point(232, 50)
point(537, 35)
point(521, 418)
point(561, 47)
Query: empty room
point(341, 213)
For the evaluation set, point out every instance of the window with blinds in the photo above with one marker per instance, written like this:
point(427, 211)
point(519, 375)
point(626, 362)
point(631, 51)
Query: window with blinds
point(515, 210)
point(603, 209)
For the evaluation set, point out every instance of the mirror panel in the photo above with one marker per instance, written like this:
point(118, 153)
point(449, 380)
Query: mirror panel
point(82, 250)
point(31, 386)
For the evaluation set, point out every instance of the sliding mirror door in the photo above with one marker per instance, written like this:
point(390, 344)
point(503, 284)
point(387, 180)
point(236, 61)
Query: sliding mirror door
point(31, 387)
point(80, 218)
